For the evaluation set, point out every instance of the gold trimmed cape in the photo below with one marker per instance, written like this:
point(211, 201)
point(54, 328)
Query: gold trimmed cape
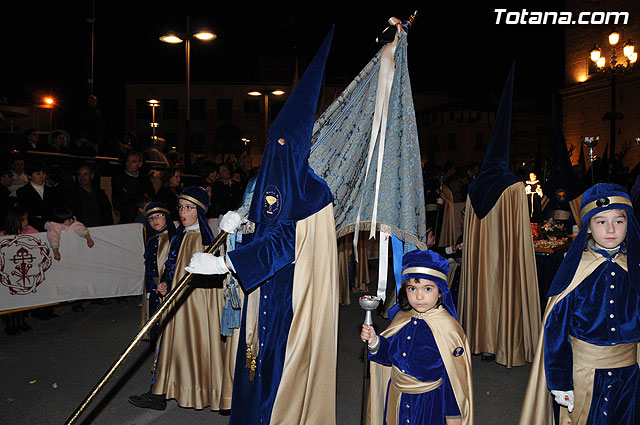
point(499, 304)
point(537, 407)
point(307, 390)
point(448, 336)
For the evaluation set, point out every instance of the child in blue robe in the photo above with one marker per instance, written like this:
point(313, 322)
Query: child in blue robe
point(587, 356)
point(424, 349)
point(159, 230)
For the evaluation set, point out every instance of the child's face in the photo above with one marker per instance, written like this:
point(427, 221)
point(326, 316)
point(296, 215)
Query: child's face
point(188, 213)
point(157, 221)
point(69, 221)
point(422, 294)
point(608, 228)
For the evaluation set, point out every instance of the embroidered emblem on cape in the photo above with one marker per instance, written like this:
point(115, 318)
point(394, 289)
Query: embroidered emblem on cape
point(271, 202)
point(24, 260)
point(458, 351)
point(561, 195)
point(603, 202)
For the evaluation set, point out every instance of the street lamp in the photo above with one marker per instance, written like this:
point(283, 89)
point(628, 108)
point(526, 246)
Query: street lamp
point(613, 72)
point(256, 93)
point(49, 102)
point(176, 38)
point(591, 142)
point(154, 104)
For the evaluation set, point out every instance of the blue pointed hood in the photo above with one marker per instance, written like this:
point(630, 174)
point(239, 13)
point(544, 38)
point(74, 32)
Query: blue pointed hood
point(494, 175)
point(286, 186)
point(564, 185)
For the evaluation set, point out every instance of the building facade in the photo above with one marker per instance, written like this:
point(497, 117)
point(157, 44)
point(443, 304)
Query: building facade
point(587, 100)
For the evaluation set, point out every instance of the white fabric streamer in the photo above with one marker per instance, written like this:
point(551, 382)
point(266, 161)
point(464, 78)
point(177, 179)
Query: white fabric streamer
point(383, 265)
point(379, 128)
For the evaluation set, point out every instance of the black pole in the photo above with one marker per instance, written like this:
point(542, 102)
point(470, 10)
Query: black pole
point(187, 121)
point(613, 116)
point(363, 411)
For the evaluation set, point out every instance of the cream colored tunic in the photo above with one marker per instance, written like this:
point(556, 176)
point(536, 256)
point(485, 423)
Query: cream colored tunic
point(195, 362)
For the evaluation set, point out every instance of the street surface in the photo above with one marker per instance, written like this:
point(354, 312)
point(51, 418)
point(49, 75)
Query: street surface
point(48, 371)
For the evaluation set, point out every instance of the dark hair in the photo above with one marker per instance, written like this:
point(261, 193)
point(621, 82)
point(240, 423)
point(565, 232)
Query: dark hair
point(166, 175)
point(35, 166)
point(13, 220)
point(15, 156)
point(403, 299)
point(88, 166)
point(142, 202)
point(61, 214)
point(136, 153)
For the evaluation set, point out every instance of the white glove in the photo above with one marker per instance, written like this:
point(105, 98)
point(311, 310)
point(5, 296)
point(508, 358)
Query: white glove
point(202, 263)
point(564, 398)
point(230, 222)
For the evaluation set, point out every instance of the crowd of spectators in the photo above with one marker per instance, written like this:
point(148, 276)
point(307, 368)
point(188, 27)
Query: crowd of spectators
point(40, 177)
point(41, 183)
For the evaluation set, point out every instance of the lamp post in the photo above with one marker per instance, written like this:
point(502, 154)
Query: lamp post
point(266, 108)
point(176, 38)
point(154, 104)
point(613, 71)
point(49, 102)
point(591, 142)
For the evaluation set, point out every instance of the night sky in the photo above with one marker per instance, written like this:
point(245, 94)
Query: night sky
point(452, 49)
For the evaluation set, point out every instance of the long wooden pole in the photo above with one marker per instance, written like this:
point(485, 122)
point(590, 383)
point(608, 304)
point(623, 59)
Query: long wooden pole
point(182, 284)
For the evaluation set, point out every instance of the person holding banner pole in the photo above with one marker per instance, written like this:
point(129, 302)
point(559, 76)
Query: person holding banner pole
point(194, 361)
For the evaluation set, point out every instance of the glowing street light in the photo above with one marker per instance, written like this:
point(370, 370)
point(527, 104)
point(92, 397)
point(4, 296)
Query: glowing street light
point(154, 104)
point(256, 93)
point(613, 72)
point(177, 38)
point(49, 102)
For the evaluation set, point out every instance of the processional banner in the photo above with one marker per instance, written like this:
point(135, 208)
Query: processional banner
point(29, 276)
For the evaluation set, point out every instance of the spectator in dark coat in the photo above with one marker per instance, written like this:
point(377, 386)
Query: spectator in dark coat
point(6, 200)
point(81, 146)
point(36, 197)
point(90, 204)
point(129, 186)
point(31, 142)
point(227, 193)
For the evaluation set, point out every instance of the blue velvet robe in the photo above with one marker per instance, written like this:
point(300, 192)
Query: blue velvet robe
point(151, 269)
point(413, 350)
point(603, 310)
point(266, 262)
point(151, 275)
